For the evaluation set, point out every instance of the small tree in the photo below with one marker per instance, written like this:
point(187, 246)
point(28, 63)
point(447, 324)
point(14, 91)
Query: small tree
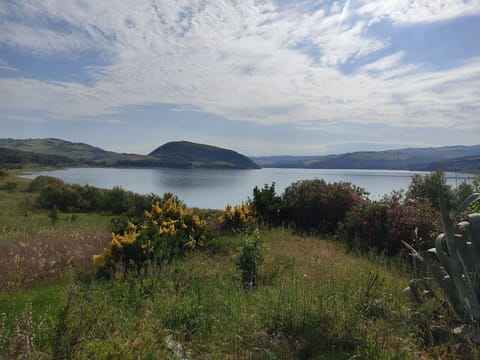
point(427, 189)
point(267, 205)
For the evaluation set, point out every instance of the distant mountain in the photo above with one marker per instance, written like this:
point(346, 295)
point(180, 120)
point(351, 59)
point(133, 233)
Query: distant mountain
point(51, 146)
point(180, 154)
point(440, 158)
point(462, 164)
point(184, 154)
point(192, 155)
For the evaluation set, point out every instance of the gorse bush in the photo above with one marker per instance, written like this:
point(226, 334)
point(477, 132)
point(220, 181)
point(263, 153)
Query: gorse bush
point(168, 230)
point(317, 205)
point(238, 218)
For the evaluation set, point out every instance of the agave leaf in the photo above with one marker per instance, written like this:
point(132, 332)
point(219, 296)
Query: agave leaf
point(440, 245)
point(474, 230)
point(447, 224)
point(467, 202)
point(455, 261)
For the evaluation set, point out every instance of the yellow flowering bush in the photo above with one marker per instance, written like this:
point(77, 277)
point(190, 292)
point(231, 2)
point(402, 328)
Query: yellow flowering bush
point(168, 230)
point(237, 218)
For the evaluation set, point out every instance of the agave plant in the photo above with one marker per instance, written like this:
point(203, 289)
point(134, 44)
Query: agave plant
point(455, 262)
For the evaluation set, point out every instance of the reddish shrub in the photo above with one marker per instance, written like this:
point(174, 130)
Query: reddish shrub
point(383, 226)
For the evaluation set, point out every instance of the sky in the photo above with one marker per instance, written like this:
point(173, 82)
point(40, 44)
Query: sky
point(259, 77)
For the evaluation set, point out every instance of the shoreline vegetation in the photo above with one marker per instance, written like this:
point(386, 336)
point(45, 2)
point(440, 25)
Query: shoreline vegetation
point(316, 272)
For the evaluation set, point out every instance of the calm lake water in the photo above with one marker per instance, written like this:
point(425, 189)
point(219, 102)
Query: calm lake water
point(216, 188)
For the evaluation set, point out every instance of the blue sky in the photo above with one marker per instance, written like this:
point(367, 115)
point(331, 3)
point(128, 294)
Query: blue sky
point(260, 77)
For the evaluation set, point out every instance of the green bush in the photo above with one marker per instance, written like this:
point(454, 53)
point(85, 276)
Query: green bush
point(76, 198)
point(62, 196)
point(43, 181)
point(425, 189)
point(317, 205)
point(9, 186)
point(251, 256)
point(3, 173)
point(267, 205)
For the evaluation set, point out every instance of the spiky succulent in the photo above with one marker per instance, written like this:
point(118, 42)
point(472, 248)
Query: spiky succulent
point(455, 261)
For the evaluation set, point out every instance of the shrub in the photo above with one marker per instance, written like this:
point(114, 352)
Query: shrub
point(317, 205)
point(251, 256)
point(237, 218)
point(74, 198)
point(9, 186)
point(54, 215)
point(59, 195)
point(425, 189)
point(267, 206)
point(167, 231)
point(3, 173)
point(42, 181)
point(383, 225)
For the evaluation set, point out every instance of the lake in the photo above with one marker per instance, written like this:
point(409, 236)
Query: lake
point(216, 188)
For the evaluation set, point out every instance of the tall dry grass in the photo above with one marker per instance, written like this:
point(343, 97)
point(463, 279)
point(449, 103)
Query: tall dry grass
point(46, 257)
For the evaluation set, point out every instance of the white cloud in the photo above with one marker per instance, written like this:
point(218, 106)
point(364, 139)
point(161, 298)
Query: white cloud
point(419, 11)
point(240, 60)
point(40, 41)
point(385, 63)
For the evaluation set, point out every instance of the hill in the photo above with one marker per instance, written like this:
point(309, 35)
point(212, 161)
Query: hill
point(75, 151)
point(463, 164)
point(192, 155)
point(182, 154)
point(12, 158)
point(440, 158)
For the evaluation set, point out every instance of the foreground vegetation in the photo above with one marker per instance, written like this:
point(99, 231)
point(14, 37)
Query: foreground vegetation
point(205, 284)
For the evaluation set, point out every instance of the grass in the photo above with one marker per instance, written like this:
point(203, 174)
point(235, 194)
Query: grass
point(35, 249)
point(313, 300)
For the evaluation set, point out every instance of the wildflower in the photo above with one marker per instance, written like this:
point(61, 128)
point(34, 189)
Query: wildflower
point(96, 258)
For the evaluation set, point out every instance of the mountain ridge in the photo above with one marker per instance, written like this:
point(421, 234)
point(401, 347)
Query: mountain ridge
point(185, 154)
point(414, 158)
point(82, 154)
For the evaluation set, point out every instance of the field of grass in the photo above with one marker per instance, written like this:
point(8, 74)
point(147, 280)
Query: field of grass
point(314, 300)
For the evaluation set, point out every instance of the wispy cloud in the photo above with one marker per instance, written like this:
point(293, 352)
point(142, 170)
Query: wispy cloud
point(4, 66)
point(419, 11)
point(242, 60)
